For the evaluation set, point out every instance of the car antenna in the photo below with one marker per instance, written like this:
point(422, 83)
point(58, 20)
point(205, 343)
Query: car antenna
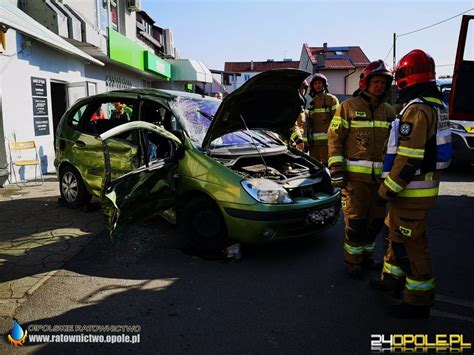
point(255, 144)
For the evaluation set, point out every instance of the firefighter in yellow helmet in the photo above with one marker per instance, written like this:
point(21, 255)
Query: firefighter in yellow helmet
point(419, 147)
point(320, 113)
point(357, 136)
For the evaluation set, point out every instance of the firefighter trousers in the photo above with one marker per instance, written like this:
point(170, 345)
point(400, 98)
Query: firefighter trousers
point(319, 152)
point(363, 220)
point(407, 259)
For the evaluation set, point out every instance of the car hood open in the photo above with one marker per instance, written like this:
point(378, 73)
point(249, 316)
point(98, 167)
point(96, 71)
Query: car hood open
point(269, 100)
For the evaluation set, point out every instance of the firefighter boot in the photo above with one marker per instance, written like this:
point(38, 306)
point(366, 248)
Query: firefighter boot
point(408, 311)
point(389, 286)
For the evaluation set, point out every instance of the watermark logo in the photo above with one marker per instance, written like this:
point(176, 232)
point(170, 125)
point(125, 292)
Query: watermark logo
point(422, 343)
point(17, 336)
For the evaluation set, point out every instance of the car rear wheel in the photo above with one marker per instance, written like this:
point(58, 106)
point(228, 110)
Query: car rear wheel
point(204, 225)
point(73, 191)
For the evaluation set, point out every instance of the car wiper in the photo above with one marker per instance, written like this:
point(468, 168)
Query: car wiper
point(207, 115)
point(255, 137)
point(271, 136)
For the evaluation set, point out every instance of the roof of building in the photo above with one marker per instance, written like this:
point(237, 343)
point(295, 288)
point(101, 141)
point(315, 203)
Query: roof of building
point(260, 66)
point(346, 57)
point(13, 17)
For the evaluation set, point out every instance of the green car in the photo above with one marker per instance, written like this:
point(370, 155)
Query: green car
point(219, 169)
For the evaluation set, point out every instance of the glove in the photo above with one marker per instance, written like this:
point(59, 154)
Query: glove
point(339, 179)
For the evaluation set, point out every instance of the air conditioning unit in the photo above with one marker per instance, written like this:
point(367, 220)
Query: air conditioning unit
point(169, 43)
point(134, 5)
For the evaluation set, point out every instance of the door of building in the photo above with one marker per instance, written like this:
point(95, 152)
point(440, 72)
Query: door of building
point(76, 91)
point(58, 102)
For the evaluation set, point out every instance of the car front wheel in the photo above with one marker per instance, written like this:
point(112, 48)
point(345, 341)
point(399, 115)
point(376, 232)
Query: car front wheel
point(73, 191)
point(204, 225)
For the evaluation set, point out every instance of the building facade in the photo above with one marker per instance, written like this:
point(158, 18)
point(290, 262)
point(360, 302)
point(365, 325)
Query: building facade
point(341, 65)
point(246, 70)
point(54, 53)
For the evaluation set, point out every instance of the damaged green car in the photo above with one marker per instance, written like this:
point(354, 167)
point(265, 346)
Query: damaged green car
point(218, 169)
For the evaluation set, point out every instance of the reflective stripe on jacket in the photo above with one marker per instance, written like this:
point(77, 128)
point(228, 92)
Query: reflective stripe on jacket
point(419, 145)
point(444, 148)
point(357, 136)
point(320, 113)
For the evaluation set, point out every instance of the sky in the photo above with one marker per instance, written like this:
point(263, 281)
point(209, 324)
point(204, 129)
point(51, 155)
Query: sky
point(216, 31)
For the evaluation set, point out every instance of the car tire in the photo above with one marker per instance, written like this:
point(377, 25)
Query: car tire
point(204, 226)
point(72, 188)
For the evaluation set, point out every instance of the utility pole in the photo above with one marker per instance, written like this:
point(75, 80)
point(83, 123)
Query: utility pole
point(394, 50)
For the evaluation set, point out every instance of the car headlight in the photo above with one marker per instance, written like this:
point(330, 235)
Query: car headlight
point(456, 126)
point(266, 191)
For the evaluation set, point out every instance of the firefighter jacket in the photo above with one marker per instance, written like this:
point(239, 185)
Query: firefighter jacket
point(357, 136)
point(419, 146)
point(297, 132)
point(321, 111)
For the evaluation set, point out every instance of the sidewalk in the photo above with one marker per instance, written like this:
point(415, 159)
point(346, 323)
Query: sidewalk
point(37, 237)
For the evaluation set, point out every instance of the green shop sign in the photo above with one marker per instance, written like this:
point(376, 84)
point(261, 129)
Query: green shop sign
point(155, 64)
point(124, 50)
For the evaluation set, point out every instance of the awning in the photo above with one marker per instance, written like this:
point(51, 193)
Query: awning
point(190, 70)
point(13, 17)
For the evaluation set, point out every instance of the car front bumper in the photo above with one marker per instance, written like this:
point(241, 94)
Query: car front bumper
point(463, 147)
point(259, 226)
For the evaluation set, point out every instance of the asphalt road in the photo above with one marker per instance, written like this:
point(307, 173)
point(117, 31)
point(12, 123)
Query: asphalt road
point(286, 298)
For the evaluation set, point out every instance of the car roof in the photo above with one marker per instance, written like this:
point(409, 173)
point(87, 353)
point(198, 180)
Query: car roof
point(135, 92)
point(168, 94)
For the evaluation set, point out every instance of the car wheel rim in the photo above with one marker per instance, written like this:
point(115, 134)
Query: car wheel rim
point(69, 187)
point(207, 224)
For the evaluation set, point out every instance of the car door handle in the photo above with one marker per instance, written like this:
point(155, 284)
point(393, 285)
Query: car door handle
point(80, 144)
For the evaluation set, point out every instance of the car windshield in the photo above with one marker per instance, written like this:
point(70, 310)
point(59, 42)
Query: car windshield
point(197, 115)
point(251, 138)
point(445, 88)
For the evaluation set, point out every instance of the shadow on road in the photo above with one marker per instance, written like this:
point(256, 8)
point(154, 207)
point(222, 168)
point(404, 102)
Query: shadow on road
point(287, 297)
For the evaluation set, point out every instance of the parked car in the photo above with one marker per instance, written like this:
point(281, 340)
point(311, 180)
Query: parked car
point(462, 131)
point(217, 168)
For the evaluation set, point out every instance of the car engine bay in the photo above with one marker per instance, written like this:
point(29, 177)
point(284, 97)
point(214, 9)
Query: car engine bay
point(298, 175)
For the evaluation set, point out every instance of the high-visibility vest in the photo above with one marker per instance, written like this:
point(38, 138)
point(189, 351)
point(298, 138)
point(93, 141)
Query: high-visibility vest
point(444, 149)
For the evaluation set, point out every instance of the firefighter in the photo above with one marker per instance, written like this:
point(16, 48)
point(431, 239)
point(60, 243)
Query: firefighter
point(320, 113)
point(297, 139)
point(419, 147)
point(357, 136)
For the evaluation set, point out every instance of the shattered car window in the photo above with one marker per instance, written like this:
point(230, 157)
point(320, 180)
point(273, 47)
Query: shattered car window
point(196, 116)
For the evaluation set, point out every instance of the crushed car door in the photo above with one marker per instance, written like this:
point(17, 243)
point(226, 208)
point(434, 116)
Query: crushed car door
point(462, 92)
point(147, 190)
point(87, 149)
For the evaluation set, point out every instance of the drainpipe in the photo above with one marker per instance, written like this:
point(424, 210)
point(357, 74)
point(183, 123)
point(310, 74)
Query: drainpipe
point(345, 77)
